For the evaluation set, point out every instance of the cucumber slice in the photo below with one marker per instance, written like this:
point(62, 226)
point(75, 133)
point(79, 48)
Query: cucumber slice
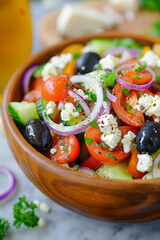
point(41, 105)
point(22, 112)
point(38, 71)
point(118, 171)
point(73, 121)
point(100, 45)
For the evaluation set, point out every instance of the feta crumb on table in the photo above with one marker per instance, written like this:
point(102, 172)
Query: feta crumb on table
point(43, 207)
point(144, 162)
point(41, 222)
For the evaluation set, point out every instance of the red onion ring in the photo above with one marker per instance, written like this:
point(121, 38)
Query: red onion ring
point(81, 101)
point(12, 182)
point(110, 96)
point(155, 169)
point(120, 50)
point(27, 77)
point(60, 105)
point(134, 86)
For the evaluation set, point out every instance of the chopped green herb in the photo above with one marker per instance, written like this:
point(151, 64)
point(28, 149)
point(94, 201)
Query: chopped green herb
point(4, 225)
point(104, 95)
point(99, 66)
point(152, 5)
point(79, 107)
point(139, 67)
point(88, 140)
point(114, 158)
point(93, 171)
point(91, 96)
point(75, 168)
point(24, 213)
point(68, 86)
point(76, 55)
point(129, 107)
point(66, 152)
point(125, 91)
point(119, 117)
point(94, 124)
point(136, 77)
point(61, 136)
point(109, 155)
point(159, 165)
point(109, 79)
point(158, 79)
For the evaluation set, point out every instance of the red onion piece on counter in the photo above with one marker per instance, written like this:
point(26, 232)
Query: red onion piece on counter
point(134, 86)
point(12, 183)
point(27, 78)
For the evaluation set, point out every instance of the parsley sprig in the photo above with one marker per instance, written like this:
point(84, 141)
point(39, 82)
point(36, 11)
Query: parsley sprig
point(88, 140)
point(4, 225)
point(139, 67)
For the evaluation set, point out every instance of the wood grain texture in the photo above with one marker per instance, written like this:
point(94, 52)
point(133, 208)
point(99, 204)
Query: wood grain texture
point(99, 198)
point(143, 21)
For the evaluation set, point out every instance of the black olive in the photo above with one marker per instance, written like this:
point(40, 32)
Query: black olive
point(86, 62)
point(148, 138)
point(38, 135)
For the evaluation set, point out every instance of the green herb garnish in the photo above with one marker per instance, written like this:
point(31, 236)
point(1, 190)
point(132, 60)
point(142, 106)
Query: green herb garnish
point(88, 140)
point(158, 79)
point(109, 79)
point(125, 91)
point(136, 77)
point(76, 55)
point(114, 158)
point(99, 67)
point(139, 67)
point(109, 155)
point(75, 168)
point(24, 213)
point(4, 225)
point(79, 107)
point(94, 124)
point(129, 107)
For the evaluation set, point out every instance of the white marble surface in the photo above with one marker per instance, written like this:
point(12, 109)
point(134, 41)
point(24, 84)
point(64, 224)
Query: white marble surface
point(61, 223)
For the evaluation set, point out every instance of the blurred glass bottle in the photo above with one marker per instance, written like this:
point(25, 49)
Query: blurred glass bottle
point(15, 37)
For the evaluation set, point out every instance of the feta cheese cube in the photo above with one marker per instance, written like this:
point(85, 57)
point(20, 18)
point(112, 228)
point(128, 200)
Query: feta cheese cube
point(125, 56)
point(107, 123)
point(112, 140)
point(68, 112)
point(50, 107)
point(109, 62)
point(144, 103)
point(144, 162)
point(53, 150)
point(154, 109)
point(128, 141)
point(150, 58)
point(81, 93)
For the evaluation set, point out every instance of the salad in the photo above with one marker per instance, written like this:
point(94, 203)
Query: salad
point(95, 108)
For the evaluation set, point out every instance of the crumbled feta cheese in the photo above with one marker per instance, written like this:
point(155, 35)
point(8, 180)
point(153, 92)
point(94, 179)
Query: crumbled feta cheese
point(151, 59)
point(112, 140)
point(43, 207)
point(41, 222)
point(127, 141)
point(81, 93)
point(109, 62)
point(144, 162)
point(156, 120)
point(53, 150)
point(68, 112)
point(55, 65)
point(125, 56)
point(107, 123)
point(50, 107)
point(148, 104)
point(125, 4)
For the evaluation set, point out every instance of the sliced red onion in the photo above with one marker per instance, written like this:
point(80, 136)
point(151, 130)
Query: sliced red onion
point(107, 106)
point(87, 170)
point(12, 182)
point(27, 77)
point(60, 105)
point(156, 169)
point(120, 50)
point(82, 126)
point(110, 96)
point(135, 86)
point(81, 101)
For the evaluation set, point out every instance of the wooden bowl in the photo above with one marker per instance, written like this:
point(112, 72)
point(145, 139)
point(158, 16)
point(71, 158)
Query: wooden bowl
point(95, 197)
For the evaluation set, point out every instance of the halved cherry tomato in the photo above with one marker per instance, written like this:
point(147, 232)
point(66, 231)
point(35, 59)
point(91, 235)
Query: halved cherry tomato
point(37, 84)
point(132, 166)
point(70, 68)
point(32, 96)
point(55, 88)
point(142, 77)
point(104, 155)
point(124, 106)
point(92, 163)
point(73, 48)
point(68, 149)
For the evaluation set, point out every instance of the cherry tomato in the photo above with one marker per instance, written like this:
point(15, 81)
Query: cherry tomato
point(68, 149)
point(32, 96)
point(37, 84)
point(73, 48)
point(132, 166)
point(142, 77)
point(70, 68)
point(124, 106)
point(103, 154)
point(91, 163)
point(55, 88)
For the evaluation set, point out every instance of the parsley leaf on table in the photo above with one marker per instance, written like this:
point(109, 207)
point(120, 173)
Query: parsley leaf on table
point(4, 225)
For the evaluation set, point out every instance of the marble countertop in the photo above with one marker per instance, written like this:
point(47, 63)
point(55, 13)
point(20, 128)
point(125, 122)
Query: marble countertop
point(61, 223)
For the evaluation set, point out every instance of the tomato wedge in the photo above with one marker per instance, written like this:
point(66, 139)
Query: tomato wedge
point(32, 96)
point(124, 105)
point(68, 149)
point(132, 166)
point(103, 154)
point(37, 84)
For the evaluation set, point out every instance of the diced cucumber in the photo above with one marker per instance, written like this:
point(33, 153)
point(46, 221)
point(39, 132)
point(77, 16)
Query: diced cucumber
point(38, 71)
point(73, 121)
point(41, 105)
point(22, 112)
point(101, 45)
point(118, 171)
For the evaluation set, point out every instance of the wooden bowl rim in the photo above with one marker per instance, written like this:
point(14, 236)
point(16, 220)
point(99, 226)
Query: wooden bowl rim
point(45, 162)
